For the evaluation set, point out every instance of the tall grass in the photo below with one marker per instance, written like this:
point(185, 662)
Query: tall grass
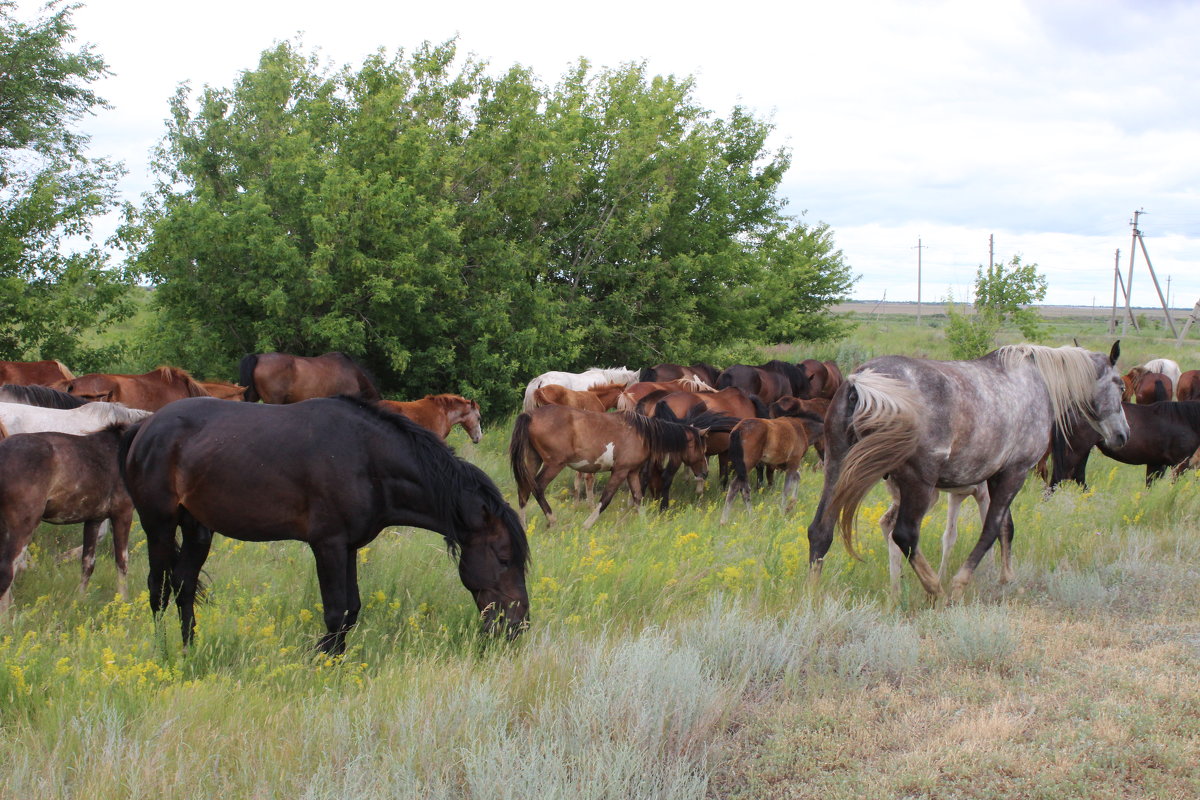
point(653, 634)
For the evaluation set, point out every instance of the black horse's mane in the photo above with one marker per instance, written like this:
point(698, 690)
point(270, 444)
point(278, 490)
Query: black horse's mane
point(1186, 411)
point(446, 477)
point(662, 436)
point(42, 396)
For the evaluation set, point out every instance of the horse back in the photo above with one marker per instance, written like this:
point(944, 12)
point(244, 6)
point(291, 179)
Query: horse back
point(40, 373)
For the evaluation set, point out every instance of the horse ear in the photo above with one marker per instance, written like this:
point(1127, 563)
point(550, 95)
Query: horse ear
point(1115, 353)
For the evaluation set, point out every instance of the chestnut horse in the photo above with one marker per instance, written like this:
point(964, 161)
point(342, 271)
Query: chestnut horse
point(777, 442)
point(62, 479)
point(824, 377)
point(550, 438)
point(1188, 387)
point(441, 412)
point(595, 398)
point(1152, 387)
point(705, 373)
point(282, 378)
point(332, 473)
point(42, 373)
point(149, 391)
point(224, 390)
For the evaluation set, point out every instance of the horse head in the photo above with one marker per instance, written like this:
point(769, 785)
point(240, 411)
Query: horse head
point(1104, 412)
point(491, 565)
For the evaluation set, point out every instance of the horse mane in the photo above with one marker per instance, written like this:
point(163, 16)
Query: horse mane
point(446, 400)
point(42, 396)
point(1068, 372)
point(663, 437)
point(1185, 411)
point(66, 372)
point(446, 477)
point(617, 374)
point(173, 375)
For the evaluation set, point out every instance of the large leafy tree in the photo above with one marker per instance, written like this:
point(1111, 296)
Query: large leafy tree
point(1004, 295)
point(458, 230)
point(55, 286)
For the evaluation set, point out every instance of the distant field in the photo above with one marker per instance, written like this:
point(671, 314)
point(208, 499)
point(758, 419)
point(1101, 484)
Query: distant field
point(1180, 315)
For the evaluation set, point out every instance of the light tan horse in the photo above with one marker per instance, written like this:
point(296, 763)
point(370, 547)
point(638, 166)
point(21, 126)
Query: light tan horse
point(224, 390)
point(441, 412)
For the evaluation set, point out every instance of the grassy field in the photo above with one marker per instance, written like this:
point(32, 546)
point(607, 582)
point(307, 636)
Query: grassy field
point(669, 657)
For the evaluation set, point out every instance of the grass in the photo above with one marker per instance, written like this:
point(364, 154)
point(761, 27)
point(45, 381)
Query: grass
point(669, 657)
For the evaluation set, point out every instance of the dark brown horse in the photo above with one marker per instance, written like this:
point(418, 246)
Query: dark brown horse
point(769, 381)
point(670, 372)
point(62, 479)
point(441, 412)
point(1161, 435)
point(282, 378)
point(332, 473)
point(1188, 387)
point(824, 377)
point(550, 438)
point(149, 391)
point(26, 373)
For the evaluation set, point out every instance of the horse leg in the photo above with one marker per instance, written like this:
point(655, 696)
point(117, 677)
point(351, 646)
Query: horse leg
point(15, 534)
point(791, 488)
point(77, 552)
point(160, 550)
point(333, 572)
point(915, 500)
point(1153, 473)
point(87, 562)
point(734, 487)
point(1005, 555)
point(186, 573)
point(353, 600)
point(122, 521)
point(667, 476)
point(547, 473)
point(614, 482)
point(1002, 488)
point(887, 523)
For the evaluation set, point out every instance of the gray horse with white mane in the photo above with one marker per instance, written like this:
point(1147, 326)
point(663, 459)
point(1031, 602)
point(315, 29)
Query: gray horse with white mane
point(930, 425)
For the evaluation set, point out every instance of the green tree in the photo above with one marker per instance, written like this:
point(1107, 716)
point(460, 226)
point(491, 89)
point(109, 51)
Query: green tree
point(52, 298)
point(1003, 296)
point(461, 231)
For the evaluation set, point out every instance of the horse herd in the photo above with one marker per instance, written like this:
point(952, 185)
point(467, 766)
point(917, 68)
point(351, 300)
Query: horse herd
point(325, 460)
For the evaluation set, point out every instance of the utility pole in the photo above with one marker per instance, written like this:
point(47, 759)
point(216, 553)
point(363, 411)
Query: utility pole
point(1129, 280)
point(1112, 322)
point(919, 248)
point(991, 251)
point(1137, 236)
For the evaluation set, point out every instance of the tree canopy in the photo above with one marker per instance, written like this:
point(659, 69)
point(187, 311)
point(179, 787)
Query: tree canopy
point(459, 231)
point(1003, 295)
point(51, 297)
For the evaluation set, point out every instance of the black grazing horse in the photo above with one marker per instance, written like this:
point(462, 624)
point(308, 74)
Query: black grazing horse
point(331, 472)
point(1160, 436)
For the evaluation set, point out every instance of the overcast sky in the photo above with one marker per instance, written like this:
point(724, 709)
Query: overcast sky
point(1044, 123)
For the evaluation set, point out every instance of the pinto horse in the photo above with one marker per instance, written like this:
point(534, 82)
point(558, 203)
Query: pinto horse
point(550, 438)
point(948, 424)
point(1161, 435)
point(62, 479)
point(149, 391)
point(441, 412)
point(41, 373)
point(281, 378)
point(330, 472)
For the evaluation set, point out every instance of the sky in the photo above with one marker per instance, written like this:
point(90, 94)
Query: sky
point(1044, 125)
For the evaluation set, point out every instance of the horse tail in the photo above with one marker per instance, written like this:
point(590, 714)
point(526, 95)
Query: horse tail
point(520, 454)
point(885, 418)
point(1160, 391)
point(737, 455)
point(760, 408)
point(246, 378)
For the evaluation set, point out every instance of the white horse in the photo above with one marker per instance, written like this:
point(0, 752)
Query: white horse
point(1164, 366)
point(88, 418)
point(579, 381)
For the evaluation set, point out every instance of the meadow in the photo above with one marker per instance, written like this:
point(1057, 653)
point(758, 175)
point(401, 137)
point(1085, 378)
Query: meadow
point(668, 656)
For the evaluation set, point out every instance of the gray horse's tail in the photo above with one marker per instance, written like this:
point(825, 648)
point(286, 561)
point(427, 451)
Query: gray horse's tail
point(885, 422)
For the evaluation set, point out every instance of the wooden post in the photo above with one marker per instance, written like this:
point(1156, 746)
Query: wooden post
point(1170, 322)
point(1188, 325)
point(1112, 322)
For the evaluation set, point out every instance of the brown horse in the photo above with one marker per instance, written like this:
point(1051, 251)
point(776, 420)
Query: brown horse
point(40, 373)
point(824, 377)
point(770, 381)
point(1188, 387)
point(283, 378)
point(441, 412)
point(62, 479)
point(224, 390)
point(706, 373)
point(774, 442)
point(594, 398)
point(1152, 387)
point(149, 391)
point(635, 392)
point(550, 438)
